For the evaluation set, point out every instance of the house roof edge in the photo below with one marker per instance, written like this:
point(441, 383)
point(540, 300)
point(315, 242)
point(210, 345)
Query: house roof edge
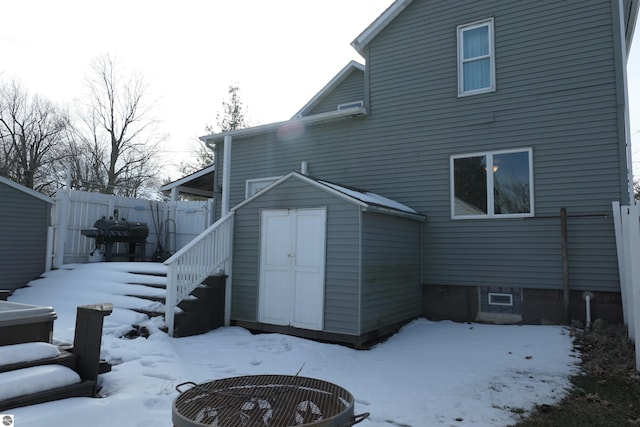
point(379, 24)
point(197, 174)
point(305, 120)
point(333, 83)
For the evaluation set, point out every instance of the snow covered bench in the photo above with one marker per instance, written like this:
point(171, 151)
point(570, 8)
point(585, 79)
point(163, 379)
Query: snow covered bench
point(37, 372)
point(38, 384)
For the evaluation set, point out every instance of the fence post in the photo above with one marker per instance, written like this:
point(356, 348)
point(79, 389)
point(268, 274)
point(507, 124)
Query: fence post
point(170, 304)
point(49, 260)
point(629, 235)
point(634, 271)
point(60, 227)
point(618, 224)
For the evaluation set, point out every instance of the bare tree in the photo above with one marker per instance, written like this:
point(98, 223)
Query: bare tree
point(31, 132)
point(117, 138)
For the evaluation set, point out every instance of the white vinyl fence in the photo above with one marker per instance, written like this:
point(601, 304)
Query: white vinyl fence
point(627, 225)
point(171, 224)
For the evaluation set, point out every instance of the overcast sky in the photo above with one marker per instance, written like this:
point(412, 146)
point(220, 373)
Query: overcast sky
point(279, 52)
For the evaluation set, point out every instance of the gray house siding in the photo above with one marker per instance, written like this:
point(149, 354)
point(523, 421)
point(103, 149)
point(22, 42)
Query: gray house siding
point(24, 220)
point(556, 94)
point(342, 253)
point(350, 90)
point(391, 268)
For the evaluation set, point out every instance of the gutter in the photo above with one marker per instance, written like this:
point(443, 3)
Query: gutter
point(329, 116)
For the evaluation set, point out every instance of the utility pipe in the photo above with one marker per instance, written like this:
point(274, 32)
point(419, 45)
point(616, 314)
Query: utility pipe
point(587, 296)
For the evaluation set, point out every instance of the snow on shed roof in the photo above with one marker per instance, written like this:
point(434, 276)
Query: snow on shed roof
point(363, 198)
point(369, 197)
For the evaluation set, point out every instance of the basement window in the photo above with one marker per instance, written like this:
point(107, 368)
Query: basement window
point(500, 299)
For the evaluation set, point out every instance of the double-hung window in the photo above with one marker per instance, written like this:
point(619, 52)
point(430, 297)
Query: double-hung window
point(476, 58)
point(492, 184)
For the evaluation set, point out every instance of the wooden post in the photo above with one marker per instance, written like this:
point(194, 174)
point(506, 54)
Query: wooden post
point(88, 338)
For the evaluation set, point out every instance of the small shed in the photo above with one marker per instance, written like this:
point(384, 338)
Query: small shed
point(325, 261)
point(25, 216)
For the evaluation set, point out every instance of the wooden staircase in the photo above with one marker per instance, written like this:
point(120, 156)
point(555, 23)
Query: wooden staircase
point(201, 313)
point(83, 358)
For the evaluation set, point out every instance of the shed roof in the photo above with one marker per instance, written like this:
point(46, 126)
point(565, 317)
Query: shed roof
point(25, 190)
point(367, 200)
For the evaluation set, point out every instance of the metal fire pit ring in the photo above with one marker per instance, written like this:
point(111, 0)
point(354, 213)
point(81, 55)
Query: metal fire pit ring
point(264, 401)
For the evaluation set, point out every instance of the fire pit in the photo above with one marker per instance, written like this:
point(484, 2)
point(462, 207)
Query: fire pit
point(264, 401)
point(109, 231)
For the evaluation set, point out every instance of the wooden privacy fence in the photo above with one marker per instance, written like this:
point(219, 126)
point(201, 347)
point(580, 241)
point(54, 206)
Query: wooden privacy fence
point(627, 225)
point(171, 224)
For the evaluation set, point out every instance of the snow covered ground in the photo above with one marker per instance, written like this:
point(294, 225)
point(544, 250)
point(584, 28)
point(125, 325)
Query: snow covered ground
point(428, 374)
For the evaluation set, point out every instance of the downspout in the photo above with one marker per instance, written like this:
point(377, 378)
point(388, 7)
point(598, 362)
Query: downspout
point(216, 182)
point(620, 57)
point(226, 174)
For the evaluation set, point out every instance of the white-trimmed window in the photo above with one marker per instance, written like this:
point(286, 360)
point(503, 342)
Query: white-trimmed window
point(476, 58)
point(495, 298)
point(348, 105)
point(492, 184)
point(252, 186)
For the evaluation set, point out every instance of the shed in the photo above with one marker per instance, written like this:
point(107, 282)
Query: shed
point(325, 261)
point(25, 216)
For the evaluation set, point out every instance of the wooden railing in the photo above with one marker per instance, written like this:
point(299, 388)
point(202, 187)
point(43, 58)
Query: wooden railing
point(206, 255)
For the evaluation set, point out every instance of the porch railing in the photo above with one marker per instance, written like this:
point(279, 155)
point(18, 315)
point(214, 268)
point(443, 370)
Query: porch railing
point(208, 254)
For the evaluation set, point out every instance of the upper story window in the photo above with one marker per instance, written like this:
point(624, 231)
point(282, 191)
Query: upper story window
point(476, 58)
point(492, 184)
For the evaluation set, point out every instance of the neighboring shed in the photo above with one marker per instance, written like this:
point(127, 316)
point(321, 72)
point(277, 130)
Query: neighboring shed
point(325, 261)
point(25, 216)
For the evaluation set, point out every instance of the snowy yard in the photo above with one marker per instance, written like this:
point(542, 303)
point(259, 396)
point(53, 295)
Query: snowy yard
point(428, 374)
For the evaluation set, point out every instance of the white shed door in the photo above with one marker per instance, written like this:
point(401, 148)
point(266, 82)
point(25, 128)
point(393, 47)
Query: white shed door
point(292, 264)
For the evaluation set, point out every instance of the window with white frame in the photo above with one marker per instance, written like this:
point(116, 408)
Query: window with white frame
point(492, 184)
point(476, 58)
point(252, 186)
point(500, 299)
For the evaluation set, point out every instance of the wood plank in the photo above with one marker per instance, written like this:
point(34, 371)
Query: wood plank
point(81, 389)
